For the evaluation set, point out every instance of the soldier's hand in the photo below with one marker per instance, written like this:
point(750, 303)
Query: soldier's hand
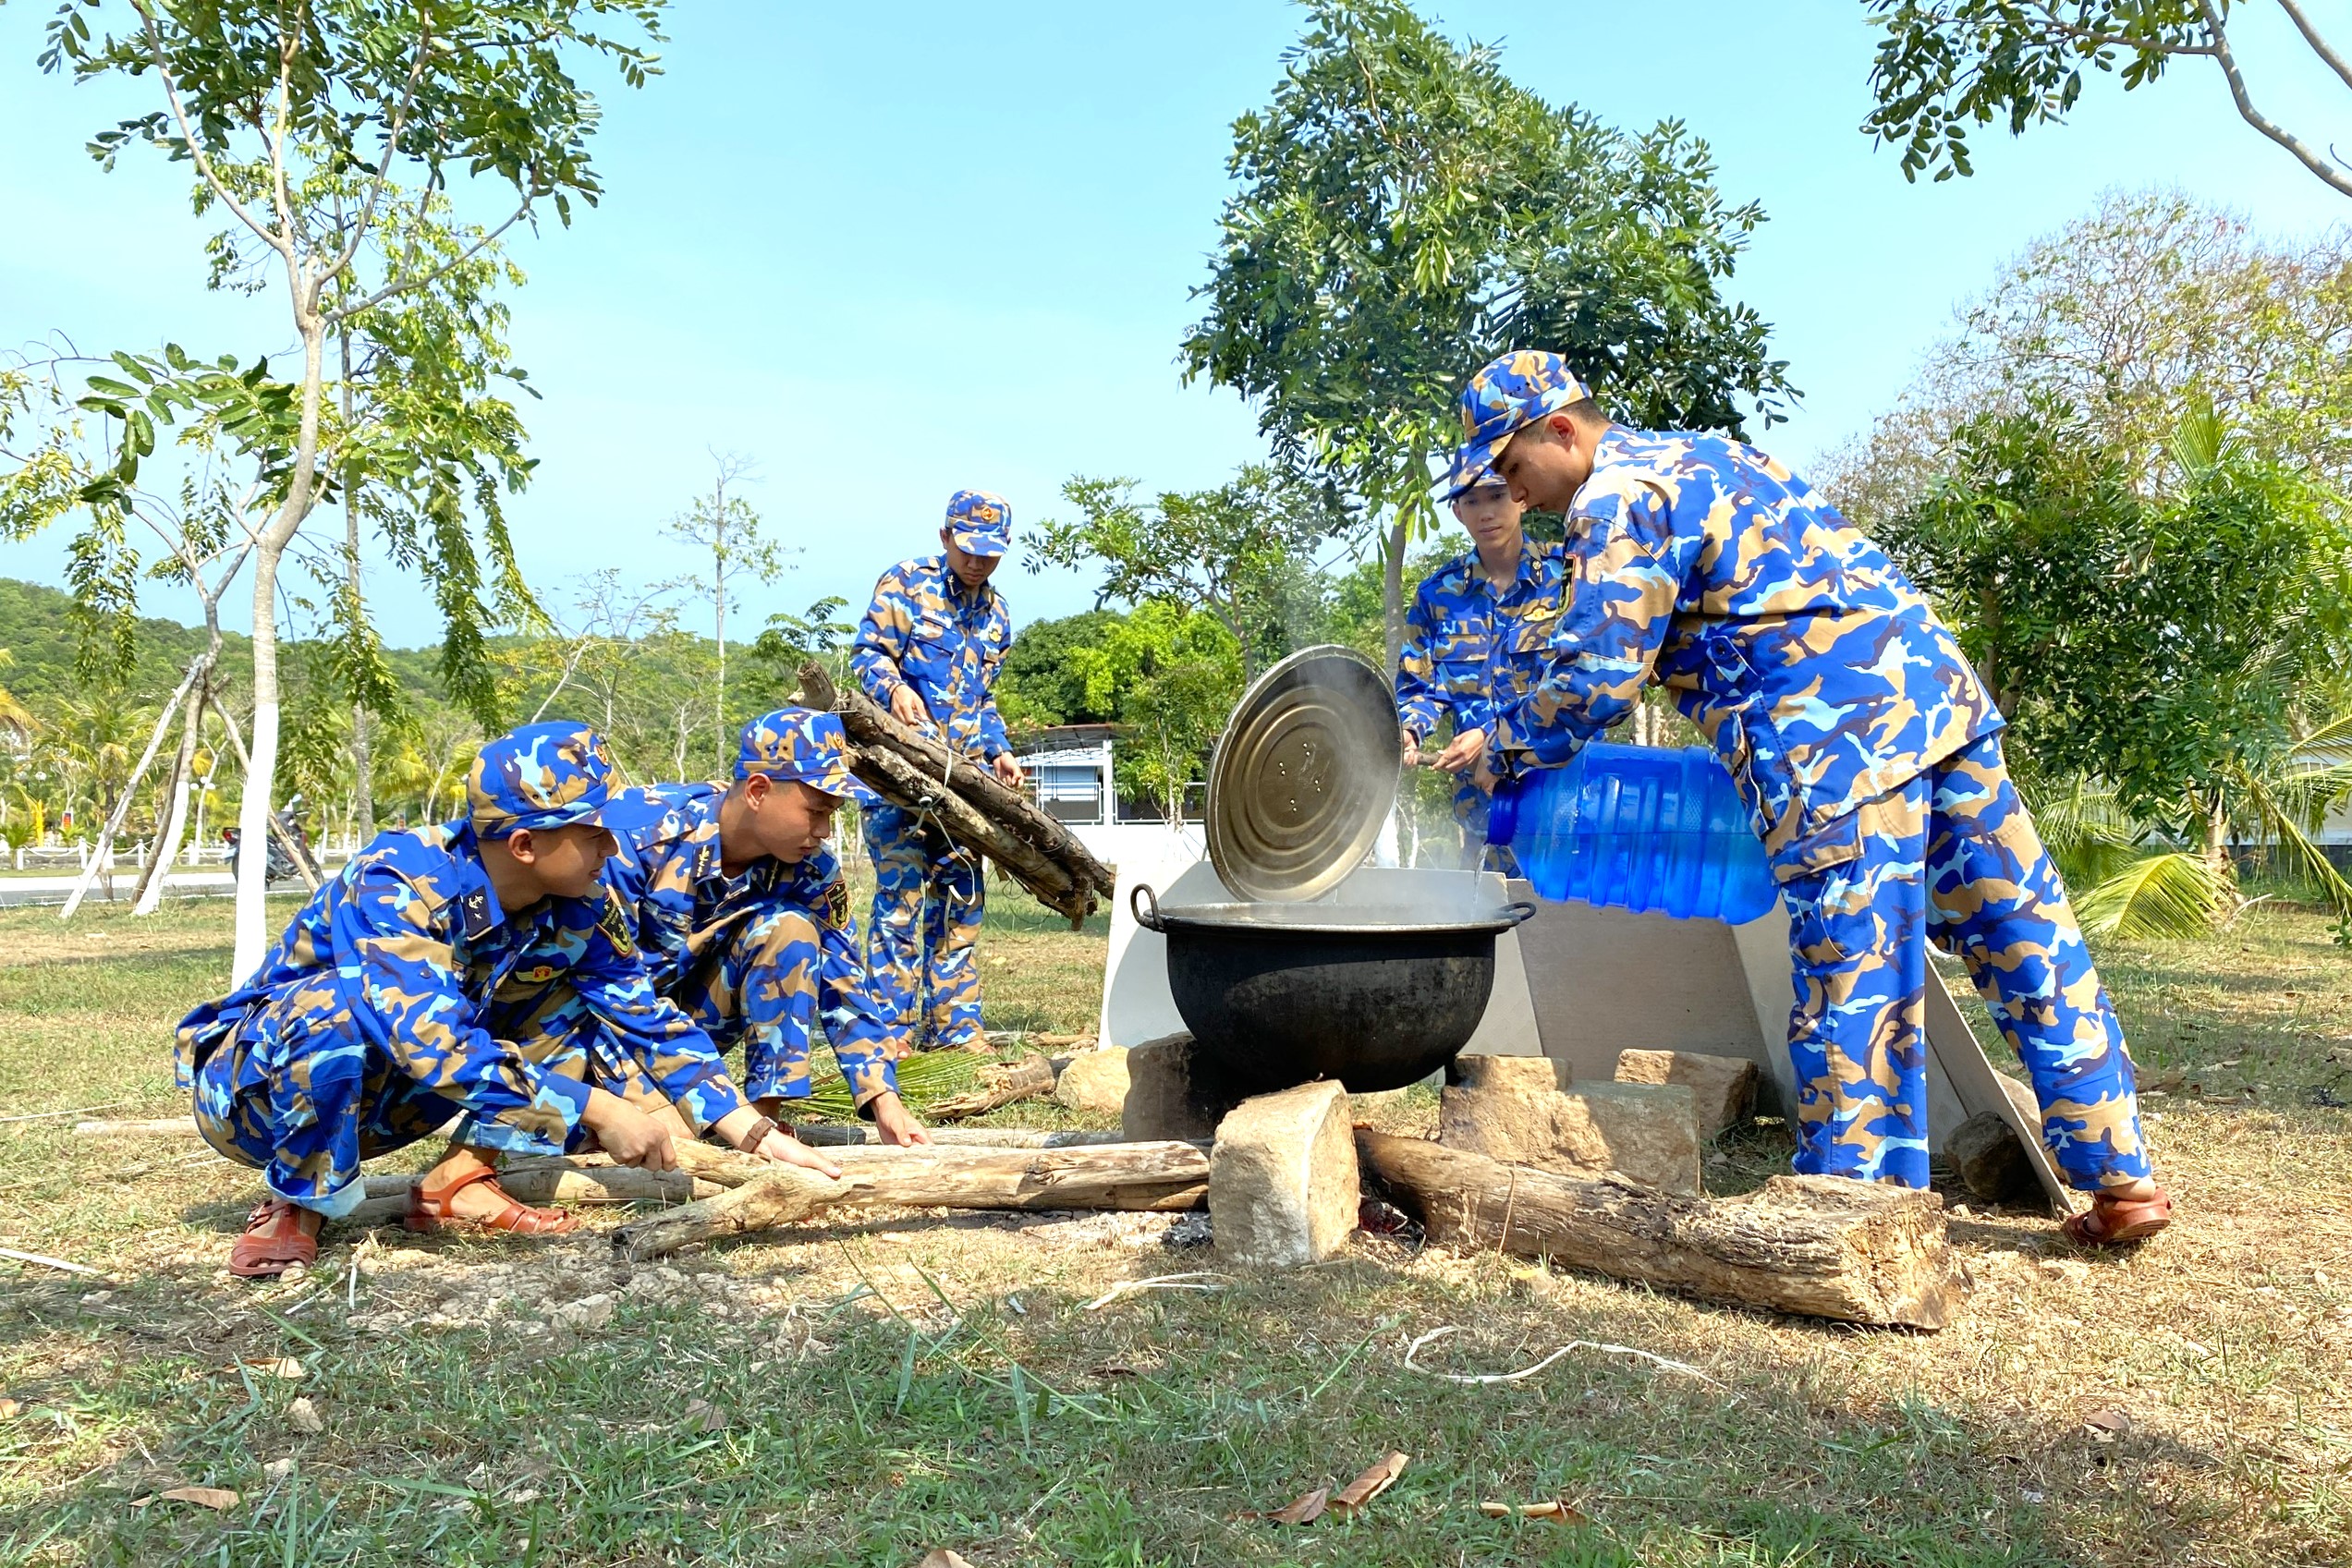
point(1483, 775)
point(628, 1134)
point(895, 1124)
point(1008, 770)
point(1464, 749)
point(1411, 748)
point(780, 1147)
point(907, 707)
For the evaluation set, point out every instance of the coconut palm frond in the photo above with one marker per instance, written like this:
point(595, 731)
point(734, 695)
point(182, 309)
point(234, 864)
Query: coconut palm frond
point(2173, 894)
point(2282, 822)
point(2086, 829)
point(2201, 437)
point(925, 1078)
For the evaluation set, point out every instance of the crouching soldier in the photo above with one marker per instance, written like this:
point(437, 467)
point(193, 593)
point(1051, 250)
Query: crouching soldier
point(928, 649)
point(1461, 644)
point(476, 967)
point(744, 918)
point(1869, 755)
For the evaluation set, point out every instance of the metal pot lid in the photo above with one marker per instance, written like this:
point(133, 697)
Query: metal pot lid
point(1304, 775)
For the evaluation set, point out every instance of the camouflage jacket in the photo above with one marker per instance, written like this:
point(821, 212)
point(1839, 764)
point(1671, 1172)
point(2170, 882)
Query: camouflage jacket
point(1816, 671)
point(927, 630)
point(1461, 643)
point(407, 946)
point(668, 873)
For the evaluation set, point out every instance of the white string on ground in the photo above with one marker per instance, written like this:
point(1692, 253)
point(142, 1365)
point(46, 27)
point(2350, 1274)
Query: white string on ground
point(1197, 1281)
point(77, 1110)
point(1660, 1362)
point(46, 1262)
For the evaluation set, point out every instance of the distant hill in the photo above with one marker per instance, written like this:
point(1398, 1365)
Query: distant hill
point(37, 628)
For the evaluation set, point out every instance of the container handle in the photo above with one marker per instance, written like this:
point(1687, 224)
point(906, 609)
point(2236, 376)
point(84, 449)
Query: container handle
point(1520, 910)
point(1150, 921)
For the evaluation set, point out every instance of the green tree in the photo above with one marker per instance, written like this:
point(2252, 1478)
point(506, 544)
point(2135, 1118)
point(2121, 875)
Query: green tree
point(304, 125)
point(728, 530)
point(2173, 653)
point(1236, 552)
point(1944, 65)
point(1172, 674)
point(2151, 298)
point(1405, 212)
point(1041, 684)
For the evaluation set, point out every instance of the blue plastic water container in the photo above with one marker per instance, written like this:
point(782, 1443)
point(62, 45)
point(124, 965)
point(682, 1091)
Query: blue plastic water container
point(1638, 827)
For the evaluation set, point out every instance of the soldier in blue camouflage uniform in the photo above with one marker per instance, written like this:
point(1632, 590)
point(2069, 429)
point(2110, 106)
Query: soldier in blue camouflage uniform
point(473, 968)
point(1866, 748)
point(1460, 649)
point(743, 915)
point(929, 650)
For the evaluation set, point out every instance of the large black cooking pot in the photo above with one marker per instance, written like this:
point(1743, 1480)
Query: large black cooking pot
point(1281, 993)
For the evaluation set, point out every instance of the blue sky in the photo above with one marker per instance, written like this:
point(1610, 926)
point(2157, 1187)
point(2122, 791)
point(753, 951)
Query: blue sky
point(886, 264)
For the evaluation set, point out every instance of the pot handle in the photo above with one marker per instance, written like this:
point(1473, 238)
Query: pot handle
point(1520, 910)
point(1150, 920)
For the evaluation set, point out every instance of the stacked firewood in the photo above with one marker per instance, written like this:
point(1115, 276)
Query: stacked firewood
point(968, 801)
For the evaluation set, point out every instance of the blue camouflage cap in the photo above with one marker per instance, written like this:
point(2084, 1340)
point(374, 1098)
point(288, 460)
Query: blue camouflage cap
point(1462, 478)
point(798, 742)
point(978, 522)
point(540, 776)
point(1507, 395)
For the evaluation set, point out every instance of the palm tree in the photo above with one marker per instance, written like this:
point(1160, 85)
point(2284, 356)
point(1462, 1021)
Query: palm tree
point(16, 718)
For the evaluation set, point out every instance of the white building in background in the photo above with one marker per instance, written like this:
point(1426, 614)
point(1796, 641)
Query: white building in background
point(1071, 777)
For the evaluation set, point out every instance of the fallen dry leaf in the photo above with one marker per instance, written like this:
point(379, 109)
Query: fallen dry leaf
point(8, 1409)
point(1304, 1510)
point(943, 1557)
point(274, 1366)
point(1376, 1480)
point(303, 1416)
point(2117, 1422)
point(1114, 1369)
point(704, 1416)
point(214, 1498)
point(1559, 1509)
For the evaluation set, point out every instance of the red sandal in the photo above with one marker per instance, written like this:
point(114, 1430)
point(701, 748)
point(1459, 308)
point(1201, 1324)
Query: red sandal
point(429, 1210)
point(2117, 1221)
point(276, 1238)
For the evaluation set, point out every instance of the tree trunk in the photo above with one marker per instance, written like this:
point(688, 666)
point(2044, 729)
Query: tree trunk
point(253, 812)
point(362, 761)
point(1392, 589)
point(1824, 1247)
point(2217, 854)
point(1125, 1177)
point(151, 885)
point(101, 859)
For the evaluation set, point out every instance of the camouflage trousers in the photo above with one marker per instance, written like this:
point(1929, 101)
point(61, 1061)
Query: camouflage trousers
point(928, 896)
point(1951, 857)
point(752, 975)
point(307, 1114)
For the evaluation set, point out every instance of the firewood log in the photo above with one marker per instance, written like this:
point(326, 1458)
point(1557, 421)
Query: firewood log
point(872, 730)
point(1823, 1246)
point(1129, 1176)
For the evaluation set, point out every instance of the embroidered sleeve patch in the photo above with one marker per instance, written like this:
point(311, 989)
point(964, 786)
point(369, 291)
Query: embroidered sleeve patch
point(838, 902)
point(615, 924)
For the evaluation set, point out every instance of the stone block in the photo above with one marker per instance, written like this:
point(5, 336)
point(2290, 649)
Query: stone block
point(1174, 1093)
point(1094, 1081)
point(1723, 1088)
point(1510, 1108)
point(1992, 1164)
point(1282, 1184)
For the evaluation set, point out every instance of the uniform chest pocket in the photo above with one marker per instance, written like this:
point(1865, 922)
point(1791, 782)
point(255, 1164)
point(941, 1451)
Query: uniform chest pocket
point(525, 981)
point(1462, 674)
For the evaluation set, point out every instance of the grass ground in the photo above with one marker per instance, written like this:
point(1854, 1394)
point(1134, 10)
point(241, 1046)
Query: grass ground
point(863, 1392)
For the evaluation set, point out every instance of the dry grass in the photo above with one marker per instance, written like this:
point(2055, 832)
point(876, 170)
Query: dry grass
point(864, 1391)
